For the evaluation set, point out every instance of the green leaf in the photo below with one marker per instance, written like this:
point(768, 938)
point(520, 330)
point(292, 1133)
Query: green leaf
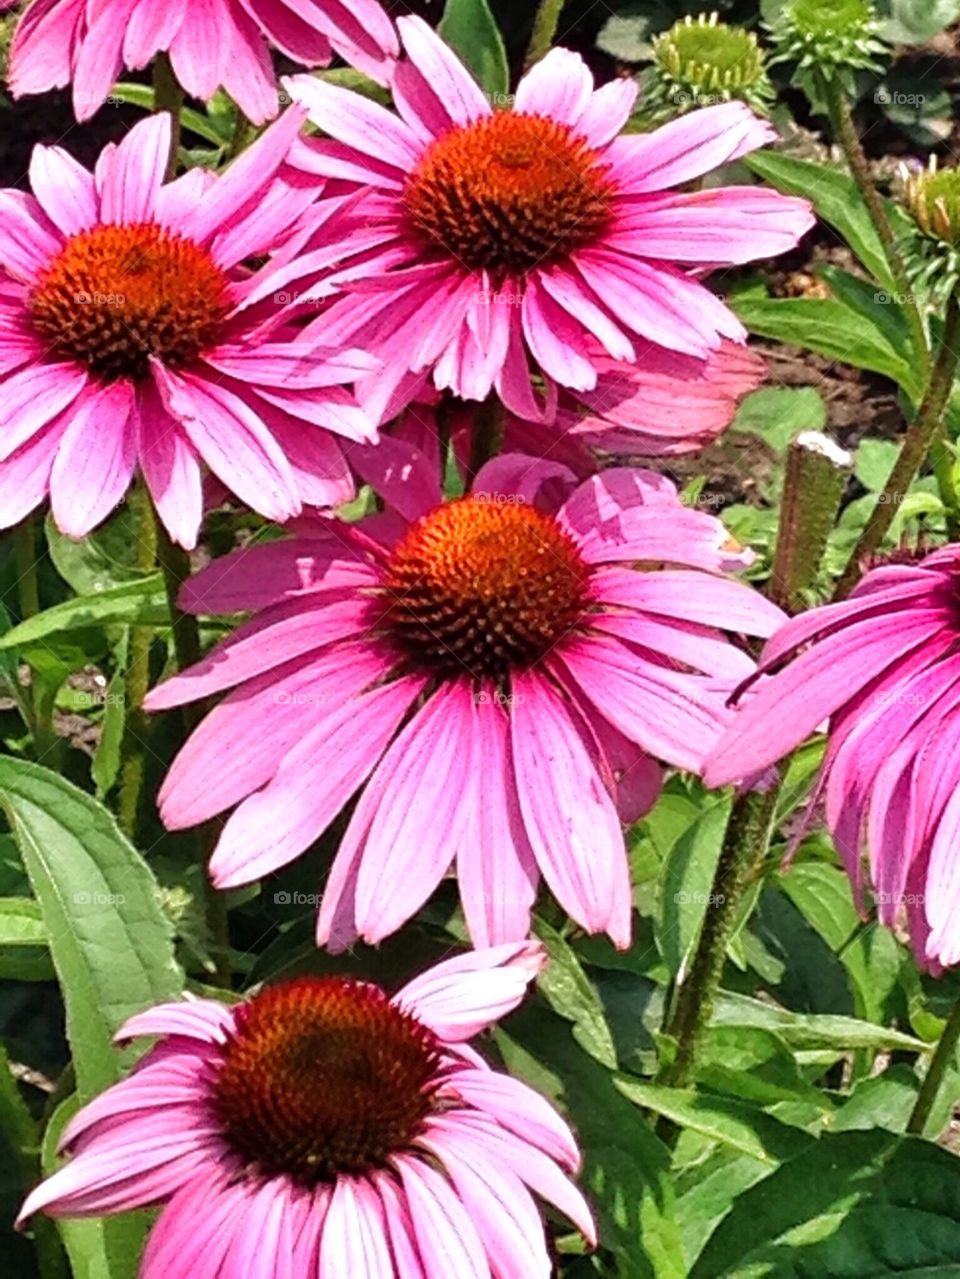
point(23, 941)
point(884, 1101)
point(626, 1167)
point(142, 95)
point(112, 947)
point(831, 328)
point(811, 1030)
point(777, 414)
point(106, 759)
point(822, 895)
point(723, 1119)
point(755, 1065)
point(469, 27)
point(99, 1247)
point(874, 461)
point(687, 881)
point(569, 993)
point(139, 603)
point(915, 21)
point(860, 1205)
point(837, 200)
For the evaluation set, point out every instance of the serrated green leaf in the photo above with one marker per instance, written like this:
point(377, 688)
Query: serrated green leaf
point(569, 992)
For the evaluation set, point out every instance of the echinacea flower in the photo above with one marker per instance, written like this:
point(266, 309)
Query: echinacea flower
point(494, 674)
point(324, 1129)
point(884, 668)
point(213, 44)
point(131, 336)
point(662, 405)
point(479, 240)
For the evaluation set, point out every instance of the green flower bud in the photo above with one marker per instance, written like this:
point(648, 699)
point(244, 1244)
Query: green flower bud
point(932, 198)
point(702, 61)
point(828, 40)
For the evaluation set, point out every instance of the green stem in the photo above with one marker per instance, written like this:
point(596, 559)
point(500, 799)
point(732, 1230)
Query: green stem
point(545, 26)
point(918, 443)
point(188, 650)
point(744, 849)
point(137, 676)
point(36, 704)
point(846, 132)
point(944, 1057)
point(486, 436)
point(168, 96)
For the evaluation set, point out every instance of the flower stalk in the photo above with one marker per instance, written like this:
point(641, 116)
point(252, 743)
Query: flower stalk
point(168, 96)
point(545, 26)
point(944, 1056)
point(137, 675)
point(920, 439)
point(845, 130)
point(744, 849)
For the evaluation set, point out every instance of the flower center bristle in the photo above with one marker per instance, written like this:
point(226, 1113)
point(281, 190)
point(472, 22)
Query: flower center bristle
point(117, 295)
point(481, 586)
point(509, 193)
point(324, 1075)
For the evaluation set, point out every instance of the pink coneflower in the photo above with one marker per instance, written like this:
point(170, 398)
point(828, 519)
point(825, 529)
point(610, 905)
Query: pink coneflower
point(484, 239)
point(217, 43)
point(131, 336)
point(494, 672)
point(884, 668)
point(323, 1129)
point(663, 405)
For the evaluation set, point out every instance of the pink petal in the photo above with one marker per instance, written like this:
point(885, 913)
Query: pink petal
point(96, 458)
point(449, 1243)
point(569, 815)
point(354, 1240)
point(462, 996)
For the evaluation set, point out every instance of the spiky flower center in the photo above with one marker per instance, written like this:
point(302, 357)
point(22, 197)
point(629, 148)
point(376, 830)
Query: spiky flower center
point(116, 295)
point(703, 53)
point(933, 198)
point(481, 587)
point(509, 193)
point(324, 1075)
point(833, 35)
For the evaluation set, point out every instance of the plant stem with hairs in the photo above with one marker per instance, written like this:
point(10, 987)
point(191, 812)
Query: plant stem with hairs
point(137, 675)
point(920, 439)
point(944, 1056)
point(35, 704)
point(845, 129)
point(545, 26)
point(744, 849)
point(175, 563)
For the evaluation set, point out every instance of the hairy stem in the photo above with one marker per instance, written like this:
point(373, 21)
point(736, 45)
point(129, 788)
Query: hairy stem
point(137, 677)
point(544, 31)
point(846, 132)
point(944, 1056)
point(187, 647)
point(744, 848)
point(920, 439)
